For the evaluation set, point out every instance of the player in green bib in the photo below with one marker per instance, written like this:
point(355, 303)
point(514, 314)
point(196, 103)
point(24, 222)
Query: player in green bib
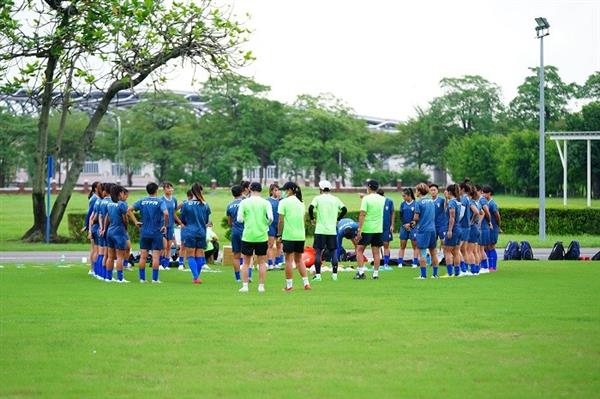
point(329, 210)
point(370, 229)
point(256, 214)
point(291, 232)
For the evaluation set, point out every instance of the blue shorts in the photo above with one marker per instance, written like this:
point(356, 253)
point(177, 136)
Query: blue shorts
point(102, 240)
point(456, 238)
point(464, 233)
point(494, 235)
point(426, 240)
point(116, 241)
point(95, 237)
point(152, 243)
point(236, 243)
point(441, 232)
point(272, 230)
point(170, 234)
point(484, 237)
point(387, 235)
point(195, 241)
point(474, 234)
point(407, 234)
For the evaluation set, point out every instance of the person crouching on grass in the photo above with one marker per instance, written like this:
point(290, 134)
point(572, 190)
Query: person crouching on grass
point(424, 221)
point(291, 232)
point(370, 229)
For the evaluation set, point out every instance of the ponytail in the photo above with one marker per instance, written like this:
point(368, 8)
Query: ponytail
point(409, 191)
point(94, 188)
point(294, 188)
point(197, 192)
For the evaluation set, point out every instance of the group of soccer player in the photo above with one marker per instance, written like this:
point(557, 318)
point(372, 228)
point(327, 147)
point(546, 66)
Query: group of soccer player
point(465, 219)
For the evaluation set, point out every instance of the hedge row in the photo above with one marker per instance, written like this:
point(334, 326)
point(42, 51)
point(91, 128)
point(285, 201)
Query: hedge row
point(514, 221)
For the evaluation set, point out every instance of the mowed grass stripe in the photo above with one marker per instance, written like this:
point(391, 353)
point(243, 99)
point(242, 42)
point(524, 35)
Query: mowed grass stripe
point(531, 330)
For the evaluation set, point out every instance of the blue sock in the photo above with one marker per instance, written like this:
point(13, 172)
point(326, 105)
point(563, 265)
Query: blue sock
point(99, 265)
point(181, 261)
point(386, 260)
point(415, 261)
point(109, 274)
point(279, 259)
point(463, 267)
point(423, 272)
point(104, 272)
point(250, 272)
point(193, 266)
point(435, 271)
point(449, 270)
point(120, 275)
point(473, 268)
point(142, 274)
point(154, 274)
point(270, 262)
point(484, 263)
point(237, 276)
point(241, 261)
point(456, 270)
point(400, 261)
point(200, 261)
point(125, 263)
point(494, 257)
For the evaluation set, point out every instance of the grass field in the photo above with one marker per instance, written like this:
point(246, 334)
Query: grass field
point(16, 217)
point(532, 330)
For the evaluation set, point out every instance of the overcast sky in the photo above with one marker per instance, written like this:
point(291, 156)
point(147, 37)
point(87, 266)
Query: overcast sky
point(386, 57)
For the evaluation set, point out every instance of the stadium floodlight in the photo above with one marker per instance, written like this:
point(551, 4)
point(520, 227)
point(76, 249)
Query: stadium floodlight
point(542, 30)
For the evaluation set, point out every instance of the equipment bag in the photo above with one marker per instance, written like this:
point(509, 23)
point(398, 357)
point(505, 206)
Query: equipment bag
point(526, 251)
point(558, 251)
point(574, 251)
point(512, 251)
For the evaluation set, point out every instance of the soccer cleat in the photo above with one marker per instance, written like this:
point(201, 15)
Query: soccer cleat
point(359, 276)
point(307, 287)
point(156, 282)
point(286, 289)
point(400, 266)
point(271, 267)
point(434, 277)
point(143, 281)
point(483, 271)
point(91, 273)
point(166, 268)
point(197, 281)
point(375, 277)
point(261, 288)
point(334, 276)
point(316, 278)
point(414, 266)
point(123, 281)
point(129, 269)
point(161, 267)
point(420, 278)
point(181, 268)
point(243, 289)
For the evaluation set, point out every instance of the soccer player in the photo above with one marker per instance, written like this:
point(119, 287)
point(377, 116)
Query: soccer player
point(465, 227)
point(90, 225)
point(182, 233)
point(171, 203)
point(212, 243)
point(245, 188)
point(196, 214)
point(102, 209)
point(237, 229)
point(388, 228)
point(346, 228)
point(441, 222)
point(257, 214)
point(292, 234)
point(407, 214)
point(475, 231)
point(453, 233)
point(155, 219)
point(495, 216)
point(116, 233)
point(370, 229)
point(274, 250)
point(486, 226)
point(329, 210)
point(424, 221)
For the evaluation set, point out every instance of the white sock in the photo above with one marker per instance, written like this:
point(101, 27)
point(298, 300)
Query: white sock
point(289, 283)
point(375, 273)
point(361, 269)
point(261, 286)
point(305, 280)
point(334, 276)
point(318, 275)
point(245, 285)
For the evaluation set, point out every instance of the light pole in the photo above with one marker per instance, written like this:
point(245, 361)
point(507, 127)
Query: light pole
point(118, 121)
point(542, 31)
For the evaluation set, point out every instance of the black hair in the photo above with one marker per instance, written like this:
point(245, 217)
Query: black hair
point(273, 187)
point(115, 191)
point(381, 192)
point(293, 187)
point(106, 187)
point(466, 187)
point(167, 184)
point(349, 234)
point(409, 191)
point(245, 184)
point(453, 189)
point(488, 190)
point(256, 187)
point(190, 194)
point(373, 185)
point(93, 190)
point(236, 190)
point(197, 192)
point(478, 187)
point(434, 185)
point(151, 188)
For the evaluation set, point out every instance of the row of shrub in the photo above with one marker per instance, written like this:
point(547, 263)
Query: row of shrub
point(514, 221)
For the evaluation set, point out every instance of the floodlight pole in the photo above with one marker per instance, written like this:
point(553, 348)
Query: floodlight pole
point(542, 177)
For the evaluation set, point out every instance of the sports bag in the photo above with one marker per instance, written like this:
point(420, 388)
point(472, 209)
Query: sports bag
point(558, 251)
point(574, 251)
point(512, 251)
point(526, 251)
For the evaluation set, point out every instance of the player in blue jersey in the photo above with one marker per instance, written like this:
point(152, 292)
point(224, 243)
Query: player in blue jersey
point(153, 224)
point(196, 214)
point(388, 228)
point(495, 219)
point(424, 221)
point(93, 197)
point(486, 227)
point(237, 229)
point(169, 237)
point(182, 232)
point(116, 232)
point(441, 222)
point(102, 210)
point(474, 231)
point(407, 213)
point(453, 233)
point(275, 257)
point(346, 228)
point(465, 227)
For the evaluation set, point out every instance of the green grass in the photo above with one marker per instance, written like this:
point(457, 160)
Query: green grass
point(531, 330)
point(16, 216)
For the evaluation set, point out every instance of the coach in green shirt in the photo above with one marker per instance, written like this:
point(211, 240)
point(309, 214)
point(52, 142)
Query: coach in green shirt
point(370, 229)
point(329, 210)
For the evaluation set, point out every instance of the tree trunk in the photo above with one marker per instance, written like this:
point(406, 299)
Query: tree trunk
point(317, 175)
point(130, 177)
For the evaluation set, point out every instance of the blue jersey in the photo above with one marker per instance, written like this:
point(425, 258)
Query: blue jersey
point(484, 223)
point(275, 205)
point(152, 210)
point(441, 221)
point(115, 212)
point(343, 226)
point(453, 204)
point(465, 221)
point(426, 210)
point(388, 211)
point(171, 207)
point(102, 207)
point(196, 215)
point(91, 206)
point(407, 211)
point(475, 216)
point(493, 209)
point(232, 210)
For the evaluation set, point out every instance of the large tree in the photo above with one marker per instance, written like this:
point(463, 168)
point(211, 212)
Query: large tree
point(107, 43)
